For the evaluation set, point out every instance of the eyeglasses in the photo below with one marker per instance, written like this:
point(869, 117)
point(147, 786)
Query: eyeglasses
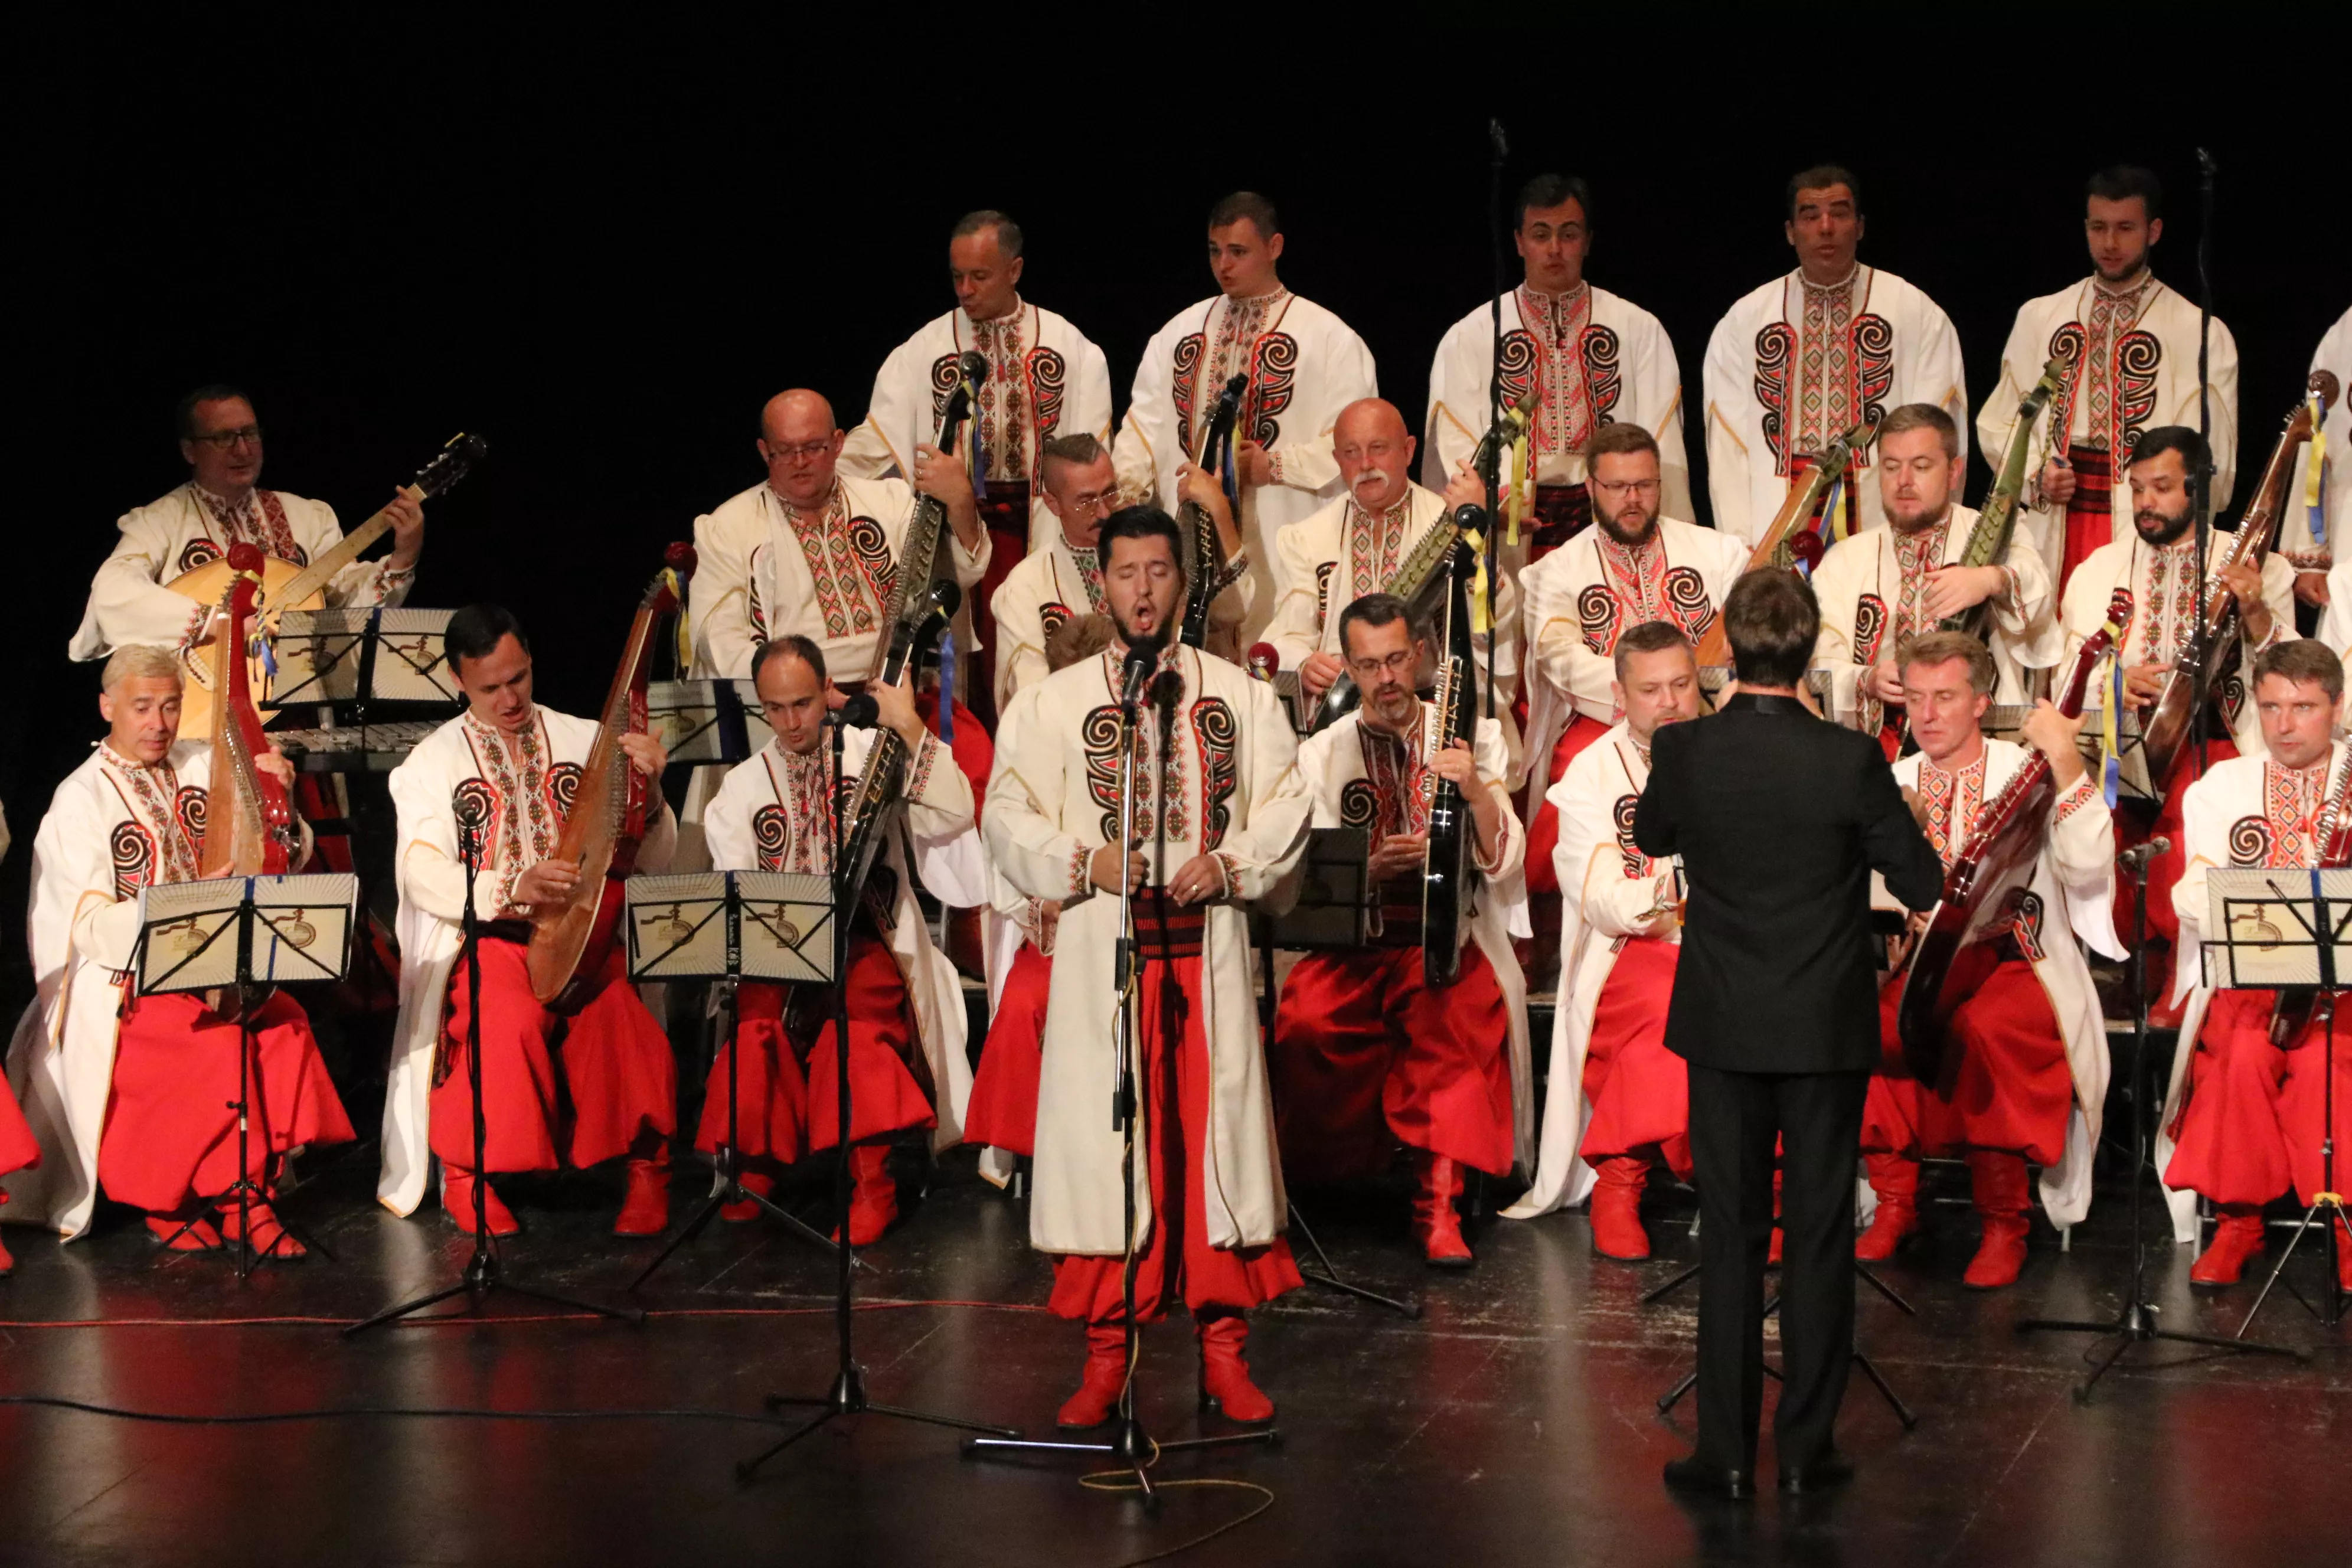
point(1401, 662)
point(1087, 502)
point(780, 453)
point(222, 440)
point(1636, 487)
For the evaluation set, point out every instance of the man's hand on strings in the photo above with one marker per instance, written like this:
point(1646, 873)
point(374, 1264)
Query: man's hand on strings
point(273, 763)
point(943, 478)
point(1882, 681)
point(2245, 586)
point(2144, 683)
point(646, 754)
point(1458, 766)
point(551, 884)
point(2058, 738)
point(894, 708)
point(1951, 589)
point(407, 514)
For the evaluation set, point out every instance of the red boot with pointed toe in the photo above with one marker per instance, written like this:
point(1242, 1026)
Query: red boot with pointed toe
point(1998, 1182)
point(270, 1236)
point(1225, 1382)
point(1097, 1399)
point(1435, 1224)
point(744, 1211)
point(457, 1197)
point(2237, 1240)
point(873, 1194)
point(644, 1202)
point(1895, 1179)
point(1617, 1230)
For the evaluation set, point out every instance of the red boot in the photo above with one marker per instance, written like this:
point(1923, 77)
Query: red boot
point(645, 1203)
point(1097, 1399)
point(744, 1211)
point(2237, 1240)
point(1434, 1223)
point(2343, 1257)
point(457, 1197)
point(1895, 1179)
point(1224, 1376)
point(873, 1196)
point(8, 1263)
point(270, 1236)
point(1617, 1208)
point(1996, 1181)
point(1780, 1240)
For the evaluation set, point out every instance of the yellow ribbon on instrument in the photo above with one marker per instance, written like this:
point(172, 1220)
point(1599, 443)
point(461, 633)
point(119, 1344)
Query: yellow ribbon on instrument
point(685, 643)
point(2111, 764)
point(2314, 458)
point(1521, 482)
point(1477, 543)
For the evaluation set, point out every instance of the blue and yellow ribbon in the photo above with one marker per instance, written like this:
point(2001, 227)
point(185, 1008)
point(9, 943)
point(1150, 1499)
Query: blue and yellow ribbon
point(2315, 460)
point(2110, 746)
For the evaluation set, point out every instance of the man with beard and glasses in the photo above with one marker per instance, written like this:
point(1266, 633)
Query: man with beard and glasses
point(1355, 545)
point(1366, 1053)
point(1219, 818)
point(2154, 567)
point(2130, 348)
point(1880, 588)
point(1639, 565)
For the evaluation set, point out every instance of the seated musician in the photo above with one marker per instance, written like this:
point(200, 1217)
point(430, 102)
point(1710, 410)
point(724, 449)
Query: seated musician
point(136, 1094)
point(558, 1090)
point(220, 438)
point(1619, 1101)
point(1883, 586)
point(908, 1067)
point(812, 553)
point(2246, 1114)
point(2027, 1071)
point(1364, 1051)
point(1352, 547)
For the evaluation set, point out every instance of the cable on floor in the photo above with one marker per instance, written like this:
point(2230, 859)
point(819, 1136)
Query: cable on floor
point(451, 1413)
point(1125, 1481)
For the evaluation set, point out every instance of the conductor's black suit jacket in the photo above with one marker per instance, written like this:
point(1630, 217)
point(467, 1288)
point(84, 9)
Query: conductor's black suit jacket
point(1779, 819)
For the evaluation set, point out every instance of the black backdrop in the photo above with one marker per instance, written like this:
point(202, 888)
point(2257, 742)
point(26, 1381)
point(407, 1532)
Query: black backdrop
point(604, 253)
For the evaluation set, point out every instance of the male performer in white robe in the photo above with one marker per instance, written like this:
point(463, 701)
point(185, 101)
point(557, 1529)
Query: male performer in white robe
point(1640, 565)
point(220, 440)
point(1044, 379)
point(559, 1090)
point(1596, 359)
point(1618, 1100)
point(813, 551)
point(137, 1094)
point(1366, 1052)
point(1303, 364)
point(1220, 817)
point(907, 1066)
point(1803, 359)
point(2244, 1118)
point(2151, 574)
point(2026, 1073)
point(2130, 347)
point(2313, 552)
point(1879, 588)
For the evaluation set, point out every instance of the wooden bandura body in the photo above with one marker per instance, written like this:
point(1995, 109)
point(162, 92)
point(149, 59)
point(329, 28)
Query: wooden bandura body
point(249, 827)
point(1787, 542)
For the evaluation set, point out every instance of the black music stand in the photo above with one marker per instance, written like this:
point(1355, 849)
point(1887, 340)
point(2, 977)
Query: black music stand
point(692, 927)
point(483, 1276)
point(282, 930)
point(707, 721)
point(351, 658)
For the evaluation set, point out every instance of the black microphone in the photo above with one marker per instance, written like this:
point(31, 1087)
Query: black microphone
point(2136, 857)
point(859, 712)
point(1502, 142)
point(1142, 659)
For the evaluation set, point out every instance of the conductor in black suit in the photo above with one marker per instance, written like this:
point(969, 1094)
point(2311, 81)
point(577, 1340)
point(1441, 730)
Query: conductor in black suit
point(1779, 819)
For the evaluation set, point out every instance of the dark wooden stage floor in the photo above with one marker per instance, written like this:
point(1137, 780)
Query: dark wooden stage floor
point(1513, 1424)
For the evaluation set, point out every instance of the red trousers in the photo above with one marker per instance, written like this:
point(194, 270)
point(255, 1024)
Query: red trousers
point(1003, 1110)
point(19, 1150)
point(170, 1126)
point(1543, 833)
point(974, 751)
point(885, 1096)
point(1639, 1090)
point(2090, 517)
point(2251, 1126)
point(2010, 1089)
point(770, 1089)
point(556, 1090)
point(1363, 1051)
point(1174, 1091)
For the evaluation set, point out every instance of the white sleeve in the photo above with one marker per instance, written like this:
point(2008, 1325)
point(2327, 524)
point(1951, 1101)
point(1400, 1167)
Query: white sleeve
point(1296, 631)
point(1266, 844)
point(1658, 378)
point(1939, 375)
point(1020, 825)
point(1732, 422)
point(127, 598)
point(718, 600)
point(428, 871)
point(1590, 868)
point(1303, 459)
point(1150, 437)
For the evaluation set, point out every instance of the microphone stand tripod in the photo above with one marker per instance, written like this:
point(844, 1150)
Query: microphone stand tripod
point(2135, 1323)
point(846, 1397)
point(483, 1276)
point(1130, 1445)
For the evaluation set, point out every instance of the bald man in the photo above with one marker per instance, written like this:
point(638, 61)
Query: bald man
point(812, 553)
point(1355, 546)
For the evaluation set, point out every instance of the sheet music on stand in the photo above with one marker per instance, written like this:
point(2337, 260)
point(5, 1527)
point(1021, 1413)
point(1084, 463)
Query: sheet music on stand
point(1332, 910)
point(707, 720)
point(361, 656)
point(2132, 783)
point(772, 926)
point(2282, 928)
point(294, 929)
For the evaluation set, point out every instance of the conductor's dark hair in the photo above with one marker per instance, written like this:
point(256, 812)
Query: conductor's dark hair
point(1247, 204)
point(184, 415)
point(1548, 190)
point(2122, 182)
point(2304, 659)
point(1821, 177)
point(1139, 522)
point(1376, 610)
point(474, 630)
point(1772, 620)
point(1008, 233)
point(2180, 439)
point(794, 646)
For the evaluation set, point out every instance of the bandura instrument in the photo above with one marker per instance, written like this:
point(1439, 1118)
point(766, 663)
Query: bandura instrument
point(2293, 1010)
point(610, 811)
point(1417, 577)
point(1204, 551)
point(2165, 731)
point(1997, 521)
point(918, 554)
point(1982, 887)
point(286, 587)
point(1788, 542)
point(1446, 863)
point(249, 825)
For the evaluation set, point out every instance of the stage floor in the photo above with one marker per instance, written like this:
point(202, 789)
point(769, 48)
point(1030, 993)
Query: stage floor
point(1514, 1423)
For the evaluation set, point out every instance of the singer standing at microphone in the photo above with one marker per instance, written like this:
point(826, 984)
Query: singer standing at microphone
point(1780, 819)
point(1220, 816)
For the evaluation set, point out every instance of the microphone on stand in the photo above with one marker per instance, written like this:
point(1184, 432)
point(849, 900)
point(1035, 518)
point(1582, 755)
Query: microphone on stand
point(1135, 676)
point(1264, 660)
point(859, 712)
point(2135, 859)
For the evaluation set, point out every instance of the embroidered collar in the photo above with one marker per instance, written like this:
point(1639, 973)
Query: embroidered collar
point(1010, 318)
point(1837, 288)
point(221, 507)
point(2131, 288)
point(115, 759)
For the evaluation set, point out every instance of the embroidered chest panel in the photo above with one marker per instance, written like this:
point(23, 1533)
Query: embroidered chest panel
point(1573, 359)
point(849, 563)
point(2287, 832)
point(1842, 361)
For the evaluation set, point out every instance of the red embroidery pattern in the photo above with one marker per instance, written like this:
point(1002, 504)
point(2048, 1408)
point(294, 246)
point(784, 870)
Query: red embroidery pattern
point(785, 832)
point(920, 774)
point(1375, 545)
point(1621, 820)
point(1952, 799)
point(2250, 842)
point(2166, 575)
point(2290, 802)
point(1869, 629)
point(153, 795)
point(132, 851)
point(1001, 421)
point(2084, 792)
point(1217, 733)
point(850, 586)
point(197, 551)
point(1393, 770)
point(526, 829)
point(1776, 346)
point(1916, 555)
point(1556, 326)
point(1243, 345)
